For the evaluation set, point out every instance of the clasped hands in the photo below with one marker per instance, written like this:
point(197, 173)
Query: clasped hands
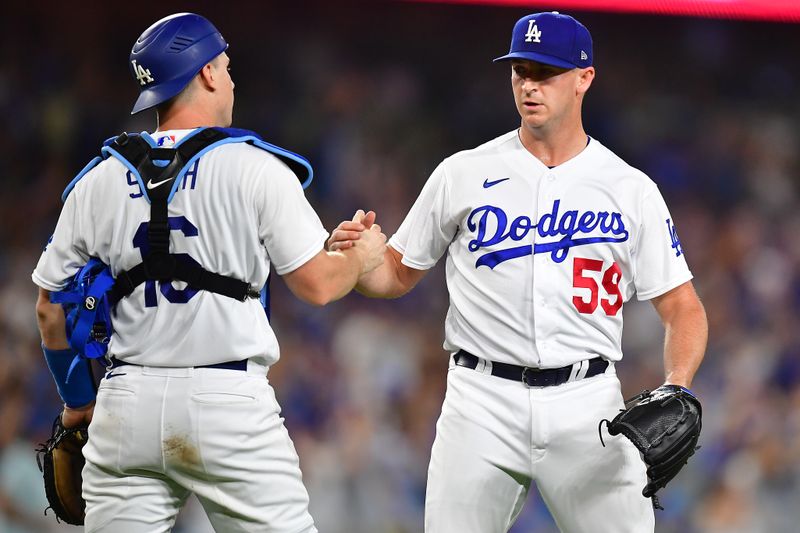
point(362, 233)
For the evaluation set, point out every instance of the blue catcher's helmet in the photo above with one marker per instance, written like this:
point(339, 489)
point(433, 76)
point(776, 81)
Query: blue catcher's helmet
point(169, 54)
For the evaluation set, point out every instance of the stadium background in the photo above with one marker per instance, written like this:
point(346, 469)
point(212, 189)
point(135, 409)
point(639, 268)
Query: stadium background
point(376, 94)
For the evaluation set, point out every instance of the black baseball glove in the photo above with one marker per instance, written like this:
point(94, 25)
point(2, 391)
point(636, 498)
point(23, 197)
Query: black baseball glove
point(665, 425)
point(61, 460)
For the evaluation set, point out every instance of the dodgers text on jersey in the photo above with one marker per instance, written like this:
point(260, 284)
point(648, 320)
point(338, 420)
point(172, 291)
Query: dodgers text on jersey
point(574, 228)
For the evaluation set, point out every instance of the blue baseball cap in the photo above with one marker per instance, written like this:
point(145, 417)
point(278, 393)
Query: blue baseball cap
point(551, 38)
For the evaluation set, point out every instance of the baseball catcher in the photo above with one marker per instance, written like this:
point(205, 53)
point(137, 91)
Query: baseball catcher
point(665, 426)
point(196, 354)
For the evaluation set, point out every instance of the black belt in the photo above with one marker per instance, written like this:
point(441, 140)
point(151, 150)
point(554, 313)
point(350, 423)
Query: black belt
point(532, 377)
point(227, 365)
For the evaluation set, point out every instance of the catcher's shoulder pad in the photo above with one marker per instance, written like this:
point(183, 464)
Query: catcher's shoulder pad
point(297, 163)
point(61, 461)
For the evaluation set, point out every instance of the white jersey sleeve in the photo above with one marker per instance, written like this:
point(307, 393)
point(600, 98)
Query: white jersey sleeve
point(429, 227)
point(290, 228)
point(658, 261)
point(66, 251)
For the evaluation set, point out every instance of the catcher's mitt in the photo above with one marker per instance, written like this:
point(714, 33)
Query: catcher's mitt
point(665, 425)
point(61, 460)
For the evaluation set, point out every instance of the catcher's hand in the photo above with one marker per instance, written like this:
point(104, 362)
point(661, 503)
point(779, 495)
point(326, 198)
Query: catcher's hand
point(665, 425)
point(61, 460)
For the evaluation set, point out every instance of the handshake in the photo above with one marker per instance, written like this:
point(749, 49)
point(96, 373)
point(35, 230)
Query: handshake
point(363, 236)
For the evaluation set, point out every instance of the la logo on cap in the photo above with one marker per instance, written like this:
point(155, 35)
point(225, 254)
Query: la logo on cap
point(533, 35)
point(552, 39)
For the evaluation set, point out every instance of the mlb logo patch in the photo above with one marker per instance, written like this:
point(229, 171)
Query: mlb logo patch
point(167, 141)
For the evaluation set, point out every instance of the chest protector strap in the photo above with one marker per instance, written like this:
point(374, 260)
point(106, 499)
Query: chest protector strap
point(158, 169)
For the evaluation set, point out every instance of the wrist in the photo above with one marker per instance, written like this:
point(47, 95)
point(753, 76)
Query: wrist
point(80, 409)
point(361, 256)
point(679, 386)
point(679, 379)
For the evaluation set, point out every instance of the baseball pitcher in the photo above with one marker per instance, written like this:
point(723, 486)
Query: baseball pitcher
point(547, 233)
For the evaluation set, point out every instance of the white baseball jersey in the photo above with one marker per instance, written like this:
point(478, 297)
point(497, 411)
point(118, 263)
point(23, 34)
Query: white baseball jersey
point(541, 260)
point(237, 211)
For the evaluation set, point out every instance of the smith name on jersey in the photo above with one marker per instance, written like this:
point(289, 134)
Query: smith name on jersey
point(541, 260)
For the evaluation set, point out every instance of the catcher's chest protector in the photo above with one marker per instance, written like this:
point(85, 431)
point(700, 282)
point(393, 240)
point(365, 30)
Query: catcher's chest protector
point(157, 171)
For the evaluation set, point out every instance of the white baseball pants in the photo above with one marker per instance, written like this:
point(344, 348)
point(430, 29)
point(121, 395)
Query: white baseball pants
point(159, 434)
point(496, 436)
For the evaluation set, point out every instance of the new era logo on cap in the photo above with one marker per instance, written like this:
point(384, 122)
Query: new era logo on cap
point(551, 38)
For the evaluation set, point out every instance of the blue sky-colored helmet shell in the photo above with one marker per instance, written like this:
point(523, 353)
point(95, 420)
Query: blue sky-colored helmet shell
point(169, 54)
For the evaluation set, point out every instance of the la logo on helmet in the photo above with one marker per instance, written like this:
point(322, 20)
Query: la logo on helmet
point(143, 75)
point(533, 35)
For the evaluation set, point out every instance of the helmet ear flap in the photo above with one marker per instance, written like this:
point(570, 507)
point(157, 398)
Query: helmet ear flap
point(168, 55)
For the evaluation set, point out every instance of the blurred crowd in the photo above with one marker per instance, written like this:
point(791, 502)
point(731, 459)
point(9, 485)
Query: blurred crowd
point(375, 95)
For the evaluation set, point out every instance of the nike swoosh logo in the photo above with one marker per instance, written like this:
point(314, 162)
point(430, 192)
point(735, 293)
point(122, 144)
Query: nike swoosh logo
point(110, 375)
point(151, 185)
point(487, 183)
